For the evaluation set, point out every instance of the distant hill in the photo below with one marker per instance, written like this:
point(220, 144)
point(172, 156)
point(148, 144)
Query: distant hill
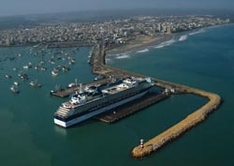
point(11, 22)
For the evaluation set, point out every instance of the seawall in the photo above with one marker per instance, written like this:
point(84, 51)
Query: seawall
point(184, 125)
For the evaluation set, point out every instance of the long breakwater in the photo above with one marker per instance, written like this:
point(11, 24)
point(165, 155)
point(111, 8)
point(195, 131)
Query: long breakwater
point(184, 125)
point(157, 142)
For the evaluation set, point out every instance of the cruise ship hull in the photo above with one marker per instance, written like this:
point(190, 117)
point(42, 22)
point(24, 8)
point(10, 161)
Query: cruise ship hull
point(82, 118)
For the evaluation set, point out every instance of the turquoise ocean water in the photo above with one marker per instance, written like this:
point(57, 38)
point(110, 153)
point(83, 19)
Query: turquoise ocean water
point(203, 59)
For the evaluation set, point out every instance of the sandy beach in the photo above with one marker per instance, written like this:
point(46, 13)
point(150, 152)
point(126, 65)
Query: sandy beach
point(139, 43)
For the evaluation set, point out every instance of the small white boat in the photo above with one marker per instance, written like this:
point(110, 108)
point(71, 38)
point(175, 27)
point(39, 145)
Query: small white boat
point(35, 84)
point(55, 72)
point(71, 85)
point(65, 68)
point(7, 76)
point(16, 83)
point(52, 61)
point(14, 89)
point(56, 89)
point(25, 66)
point(73, 61)
point(42, 62)
point(23, 76)
point(43, 68)
point(36, 67)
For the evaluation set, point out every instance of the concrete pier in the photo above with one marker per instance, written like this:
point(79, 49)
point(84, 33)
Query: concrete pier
point(68, 91)
point(184, 125)
point(132, 107)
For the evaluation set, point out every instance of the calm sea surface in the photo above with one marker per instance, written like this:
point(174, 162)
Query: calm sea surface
point(202, 59)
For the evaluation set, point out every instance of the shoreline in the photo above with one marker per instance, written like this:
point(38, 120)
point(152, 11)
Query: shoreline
point(139, 43)
point(52, 45)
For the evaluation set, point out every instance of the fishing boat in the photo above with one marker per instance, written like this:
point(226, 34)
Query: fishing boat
point(56, 89)
point(23, 76)
point(16, 83)
point(14, 89)
point(72, 84)
point(55, 72)
point(35, 84)
point(73, 60)
point(65, 68)
point(7, 76)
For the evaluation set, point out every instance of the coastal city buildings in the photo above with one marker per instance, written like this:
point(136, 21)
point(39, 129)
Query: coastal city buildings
point(116, 31)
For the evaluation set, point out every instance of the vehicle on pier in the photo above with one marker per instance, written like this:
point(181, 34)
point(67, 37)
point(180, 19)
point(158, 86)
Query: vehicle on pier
point(99, 77)
point(89, 102)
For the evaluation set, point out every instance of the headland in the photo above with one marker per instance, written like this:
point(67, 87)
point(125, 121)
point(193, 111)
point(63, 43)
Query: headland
point(154, 144)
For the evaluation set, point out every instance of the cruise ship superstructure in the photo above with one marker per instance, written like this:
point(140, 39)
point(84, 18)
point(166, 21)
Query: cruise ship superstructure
point(92, 101)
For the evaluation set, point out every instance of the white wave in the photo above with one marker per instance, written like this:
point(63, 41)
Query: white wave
point(183, 38)
point(113, 55)
point(166, 43)
point(197, 32)
point(123, 56)
point(159, 46)
point(142, 51)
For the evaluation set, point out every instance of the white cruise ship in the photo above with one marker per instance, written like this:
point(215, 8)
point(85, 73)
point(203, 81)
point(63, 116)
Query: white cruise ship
point(92, 101)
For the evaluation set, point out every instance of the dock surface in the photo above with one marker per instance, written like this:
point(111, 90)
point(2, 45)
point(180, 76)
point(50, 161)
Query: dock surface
point(68, 91)
point(132, 107)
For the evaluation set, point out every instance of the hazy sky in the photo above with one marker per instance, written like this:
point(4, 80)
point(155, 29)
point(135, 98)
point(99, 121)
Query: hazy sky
point(19, 7)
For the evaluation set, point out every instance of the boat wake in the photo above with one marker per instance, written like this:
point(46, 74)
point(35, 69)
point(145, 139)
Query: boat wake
point(122, 56)
point(113, 57)
point(142, 51)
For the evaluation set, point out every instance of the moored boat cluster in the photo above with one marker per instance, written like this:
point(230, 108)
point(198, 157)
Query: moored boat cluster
point(40, 59)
